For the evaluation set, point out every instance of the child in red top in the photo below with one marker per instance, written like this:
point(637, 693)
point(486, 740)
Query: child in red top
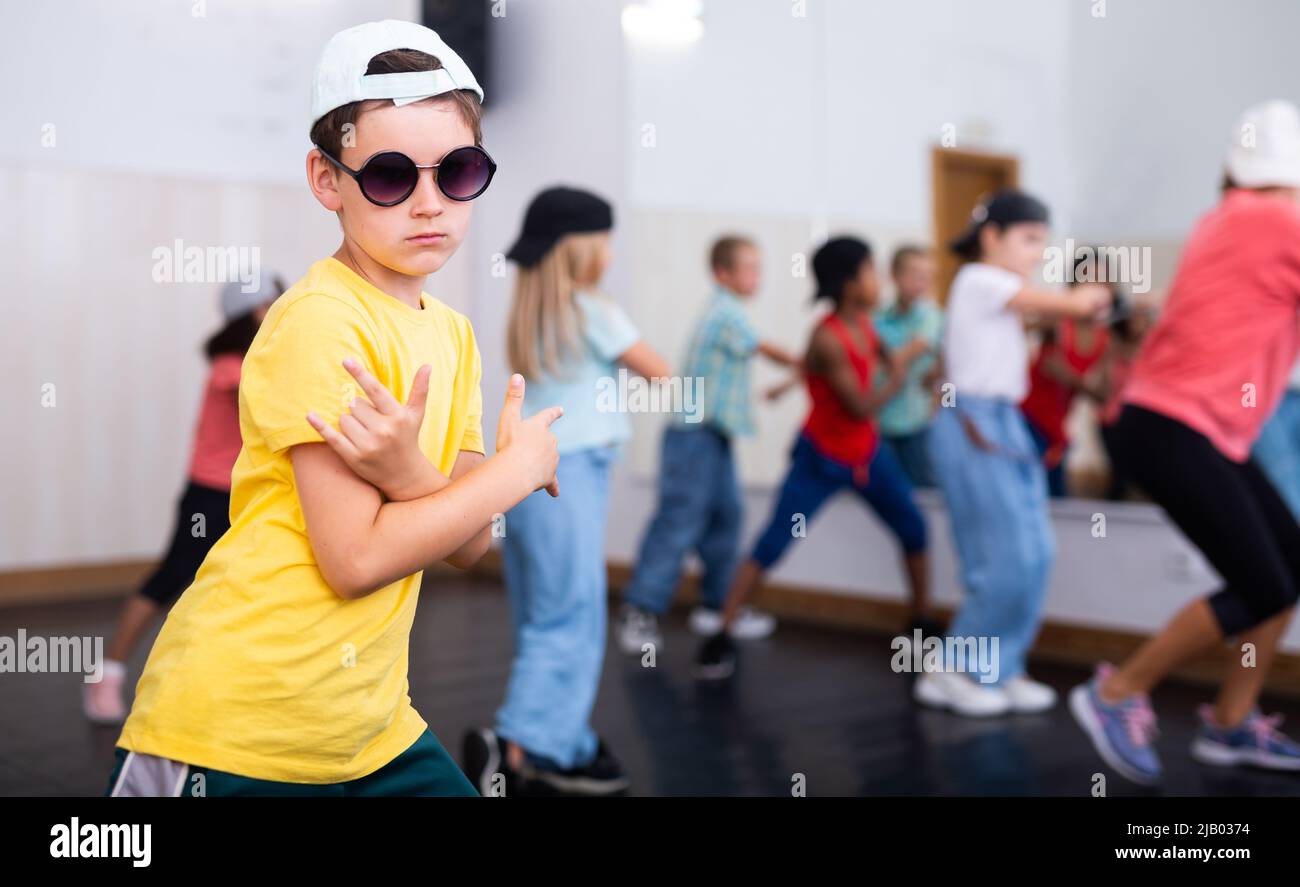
point(838, 448)
point(203, 512)
point(1211, 371)
point(1127, 330)
point(1064, 367)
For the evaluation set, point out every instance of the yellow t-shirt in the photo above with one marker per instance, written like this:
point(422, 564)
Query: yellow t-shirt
point(261, 669)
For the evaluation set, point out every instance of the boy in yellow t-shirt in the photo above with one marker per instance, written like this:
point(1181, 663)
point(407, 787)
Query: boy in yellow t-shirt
point(283, 667)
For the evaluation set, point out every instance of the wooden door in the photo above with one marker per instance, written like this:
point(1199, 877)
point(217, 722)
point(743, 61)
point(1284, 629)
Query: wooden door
point(961, 178)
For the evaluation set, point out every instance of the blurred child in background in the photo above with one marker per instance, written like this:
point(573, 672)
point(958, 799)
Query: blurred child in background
point(565, 338)
point(988, 468)
point(1212, 371)
point(911, 327)
point(1127, 329)
point(206, 496)
point(1278, 448)
point(699, 497)
point(838, 447)
point(1067, 363)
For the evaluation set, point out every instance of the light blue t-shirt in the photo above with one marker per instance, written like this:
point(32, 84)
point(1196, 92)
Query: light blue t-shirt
point(582, 385)
point(909, 411)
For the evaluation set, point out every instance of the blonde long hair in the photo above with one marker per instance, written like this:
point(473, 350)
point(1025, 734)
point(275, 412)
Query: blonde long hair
point(545, 323)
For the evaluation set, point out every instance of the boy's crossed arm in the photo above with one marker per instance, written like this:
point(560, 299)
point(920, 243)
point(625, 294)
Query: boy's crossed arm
point(362, 542)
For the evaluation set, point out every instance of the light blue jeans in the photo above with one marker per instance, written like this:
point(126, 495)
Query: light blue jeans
point(997, 508)
point(554, 557)
point(1278, 449)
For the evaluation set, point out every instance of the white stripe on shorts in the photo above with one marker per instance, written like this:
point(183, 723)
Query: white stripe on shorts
point(149, 776)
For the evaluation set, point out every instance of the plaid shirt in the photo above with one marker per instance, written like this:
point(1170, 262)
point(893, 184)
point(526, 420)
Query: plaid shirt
point(718, 354)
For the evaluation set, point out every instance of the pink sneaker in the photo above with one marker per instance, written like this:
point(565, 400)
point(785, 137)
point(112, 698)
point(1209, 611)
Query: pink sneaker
point(102, 701)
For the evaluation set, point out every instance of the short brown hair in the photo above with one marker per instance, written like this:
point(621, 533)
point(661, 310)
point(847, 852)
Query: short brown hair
point(723, 253)
point(902, 254)
point(327, 133)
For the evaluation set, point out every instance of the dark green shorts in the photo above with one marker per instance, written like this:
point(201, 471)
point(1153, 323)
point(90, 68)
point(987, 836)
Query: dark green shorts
point(423, 770)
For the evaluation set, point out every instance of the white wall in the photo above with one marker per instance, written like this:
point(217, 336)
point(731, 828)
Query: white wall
point(558, 121)
point(1155, 88)
point(165, 126)
point(205, 89)
point(864, 90)
point(787, 126)
point(195, 128)
point(836, 112)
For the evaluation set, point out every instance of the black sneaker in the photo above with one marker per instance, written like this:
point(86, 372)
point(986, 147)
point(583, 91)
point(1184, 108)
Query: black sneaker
point(716, 660)
point(484, 763)
point(930, 627)
point(603, 776)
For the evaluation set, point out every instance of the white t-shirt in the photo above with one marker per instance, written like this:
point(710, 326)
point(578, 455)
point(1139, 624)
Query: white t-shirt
point(984, 340)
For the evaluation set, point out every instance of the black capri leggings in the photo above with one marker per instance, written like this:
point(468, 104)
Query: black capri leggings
point(187, 550)
point(1229, 510)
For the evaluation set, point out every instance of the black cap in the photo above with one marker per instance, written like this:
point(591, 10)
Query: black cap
point(1002, 209)
point(837, 262)
point(554, 213)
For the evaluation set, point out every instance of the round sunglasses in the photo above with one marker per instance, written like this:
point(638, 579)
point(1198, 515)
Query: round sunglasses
point(389, 177)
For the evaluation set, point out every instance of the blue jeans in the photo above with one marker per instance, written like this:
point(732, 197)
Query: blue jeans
point(814, 478)
point(1278, 449)
point(913, 453)
point(997, 506)
point(700, 509)
point(554, 558)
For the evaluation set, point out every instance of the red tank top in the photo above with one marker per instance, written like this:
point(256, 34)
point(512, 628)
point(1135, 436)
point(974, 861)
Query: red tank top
point(1048, 403)
point(833, 431)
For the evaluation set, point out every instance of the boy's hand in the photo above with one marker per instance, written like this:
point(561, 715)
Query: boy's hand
point(1094, 300)
point(913, 350)
point(529, 441)
point(930, 381)
point(379, 438)
point(776, 392)
point(777, 354)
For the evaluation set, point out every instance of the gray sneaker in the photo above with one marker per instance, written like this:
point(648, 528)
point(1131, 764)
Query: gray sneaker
point(1123, 732)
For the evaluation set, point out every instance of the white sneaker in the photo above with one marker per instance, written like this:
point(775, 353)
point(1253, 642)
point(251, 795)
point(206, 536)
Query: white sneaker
point(749, 625)
point(1028, 696)
point(636, 628)
point(705, 622)
point(957, 692)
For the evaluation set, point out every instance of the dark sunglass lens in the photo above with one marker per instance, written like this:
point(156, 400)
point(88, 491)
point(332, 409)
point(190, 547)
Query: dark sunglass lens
point(464, 173)
point(388, 177)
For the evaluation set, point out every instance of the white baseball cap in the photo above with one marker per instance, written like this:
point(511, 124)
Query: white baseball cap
point(1265, 148)
point(341, 76)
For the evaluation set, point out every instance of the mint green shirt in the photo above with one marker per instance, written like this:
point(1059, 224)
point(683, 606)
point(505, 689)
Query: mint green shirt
point(909, 411)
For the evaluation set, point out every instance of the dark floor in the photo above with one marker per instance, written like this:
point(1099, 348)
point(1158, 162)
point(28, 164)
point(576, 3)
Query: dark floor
point(815, 702)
